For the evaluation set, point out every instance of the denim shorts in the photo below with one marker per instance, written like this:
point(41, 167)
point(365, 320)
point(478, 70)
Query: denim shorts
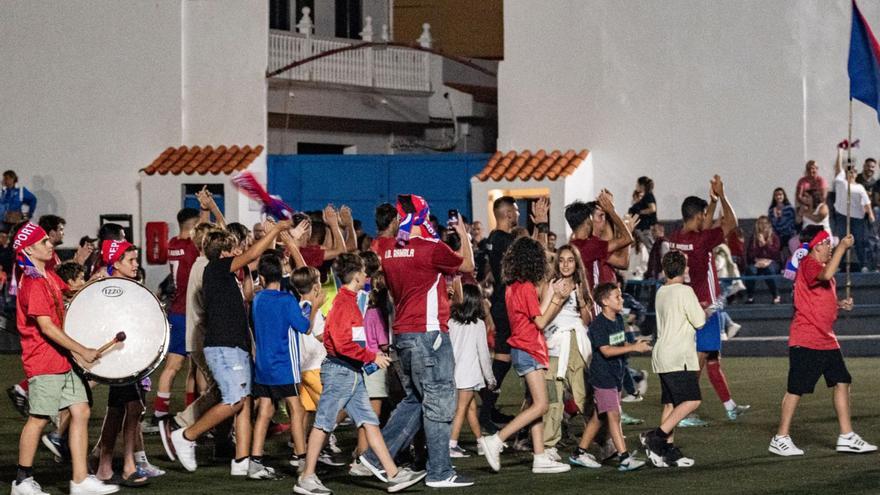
point(343, 389)
point(524, 363)
point(231, 369)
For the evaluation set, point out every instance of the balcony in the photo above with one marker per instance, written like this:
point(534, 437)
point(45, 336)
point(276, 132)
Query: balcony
point(387, 68)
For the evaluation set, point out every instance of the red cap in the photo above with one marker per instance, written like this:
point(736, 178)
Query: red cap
point(28, 235)
point(111, 250)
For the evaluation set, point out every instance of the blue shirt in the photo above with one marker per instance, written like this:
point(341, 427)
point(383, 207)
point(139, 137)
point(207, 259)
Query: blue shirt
point(784, 226)
point(277, 319)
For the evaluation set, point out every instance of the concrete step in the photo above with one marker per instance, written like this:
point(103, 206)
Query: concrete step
point(777, 346)
point(774, 320)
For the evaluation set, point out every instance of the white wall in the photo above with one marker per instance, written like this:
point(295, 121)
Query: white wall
point(91, 93)
point(681, 89)
point(94, 90)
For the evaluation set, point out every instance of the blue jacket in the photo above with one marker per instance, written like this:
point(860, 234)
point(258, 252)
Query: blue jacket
point(11, 199)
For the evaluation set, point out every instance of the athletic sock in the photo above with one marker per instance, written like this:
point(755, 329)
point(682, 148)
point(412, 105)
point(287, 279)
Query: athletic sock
point(453, 444)
point(23, 385)
point(622, 456)
point(730, 405)
point(719, 381)
point(660, 433)
point(190, 398)
point(161, 403)
point(22, 473)
point(256, 458)
point(140, 457)
point(240, 459)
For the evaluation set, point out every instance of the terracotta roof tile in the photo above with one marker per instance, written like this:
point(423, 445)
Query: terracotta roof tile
point(203, 160)
point(527, 166)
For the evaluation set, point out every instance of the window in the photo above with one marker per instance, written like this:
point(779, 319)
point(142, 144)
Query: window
point(320, 149)
point(279, 14)
point(349, 16)
point(190, 201)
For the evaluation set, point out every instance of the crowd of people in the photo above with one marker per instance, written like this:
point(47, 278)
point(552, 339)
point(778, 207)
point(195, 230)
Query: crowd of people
point(410, 335)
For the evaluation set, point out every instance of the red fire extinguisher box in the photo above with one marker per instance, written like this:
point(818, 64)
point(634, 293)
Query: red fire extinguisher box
point(157, 243)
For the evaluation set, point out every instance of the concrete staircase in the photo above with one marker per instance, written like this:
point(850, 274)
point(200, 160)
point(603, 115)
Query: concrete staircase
point(765, 326)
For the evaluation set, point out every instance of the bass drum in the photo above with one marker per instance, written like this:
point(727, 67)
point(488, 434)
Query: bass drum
point(108, 306)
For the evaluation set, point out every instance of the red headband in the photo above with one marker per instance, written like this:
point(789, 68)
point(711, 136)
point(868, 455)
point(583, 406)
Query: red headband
point(821, 236)
point(28, 235)
point(111, 250)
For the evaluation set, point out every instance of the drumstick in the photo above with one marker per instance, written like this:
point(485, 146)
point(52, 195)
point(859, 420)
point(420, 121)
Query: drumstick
point(120, 337)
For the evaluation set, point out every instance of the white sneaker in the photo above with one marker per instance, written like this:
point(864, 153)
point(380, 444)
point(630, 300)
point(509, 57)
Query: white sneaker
point(585, 460)
point(92, 486)
point(185, 450)
point(492, 448)
point(405, 478)
point(454, 481)
point(257, 471)
point(457, 452)
point(544, 464)
point(331, 444)
point(359, 470)
point(479, 447)
point(239, 468)
point(733, 329)
point(552, 453)
point(27, 487)
point(784, 446)
point(642, 386)
point(310, 485)
point(632, 398)
point(376, 470)
point(854, 444)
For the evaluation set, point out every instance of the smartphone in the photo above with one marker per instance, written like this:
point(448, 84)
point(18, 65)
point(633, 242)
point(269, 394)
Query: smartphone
point(453, 218)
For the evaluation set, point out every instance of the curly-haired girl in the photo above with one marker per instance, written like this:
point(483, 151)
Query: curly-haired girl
point(525, 272)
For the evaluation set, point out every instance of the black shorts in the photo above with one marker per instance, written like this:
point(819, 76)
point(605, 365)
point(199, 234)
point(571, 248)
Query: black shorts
point(274, 392)
point(120, 395)
point(502, 330)
point(805, 366)
point(679, 386)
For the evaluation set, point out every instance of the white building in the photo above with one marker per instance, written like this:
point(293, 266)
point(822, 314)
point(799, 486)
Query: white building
point(95, 90)
point(681, 89)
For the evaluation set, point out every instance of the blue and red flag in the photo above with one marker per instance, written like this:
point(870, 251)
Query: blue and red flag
point(864, 62)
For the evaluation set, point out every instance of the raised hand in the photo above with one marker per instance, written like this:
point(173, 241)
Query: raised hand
point(717, 186)
point(631, 220)
point(606, 201)
point(331, 218)
point(300, 230)
point(541, 210)
point(345, 217)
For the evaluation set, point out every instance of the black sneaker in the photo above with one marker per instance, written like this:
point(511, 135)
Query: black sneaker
point(19, 401)
point(675, 458)
point(655, 447)
point(166, 427)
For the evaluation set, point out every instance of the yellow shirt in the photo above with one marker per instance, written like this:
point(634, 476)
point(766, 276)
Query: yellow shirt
point(679, 315)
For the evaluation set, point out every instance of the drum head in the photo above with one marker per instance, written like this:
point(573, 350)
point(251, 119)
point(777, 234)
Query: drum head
point(105, 307)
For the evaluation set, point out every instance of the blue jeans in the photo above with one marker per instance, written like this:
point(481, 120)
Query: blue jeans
point(343, 389)
point(859, 230)
point(427, 363)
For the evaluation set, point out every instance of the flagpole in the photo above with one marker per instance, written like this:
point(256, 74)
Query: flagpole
point(848, 198)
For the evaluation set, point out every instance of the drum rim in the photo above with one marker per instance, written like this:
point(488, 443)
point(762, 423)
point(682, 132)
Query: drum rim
point(146, 371)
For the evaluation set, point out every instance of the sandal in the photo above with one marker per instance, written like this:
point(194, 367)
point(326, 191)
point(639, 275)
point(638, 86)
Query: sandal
point(136, 479)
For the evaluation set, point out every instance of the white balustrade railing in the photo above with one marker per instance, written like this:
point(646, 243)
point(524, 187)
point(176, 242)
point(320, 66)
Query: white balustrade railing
point(386, 68)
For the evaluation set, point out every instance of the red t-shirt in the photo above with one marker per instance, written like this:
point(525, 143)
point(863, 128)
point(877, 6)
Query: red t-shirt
point(698, 247)
point(381, 244)
point(182, 253)
point(40, 296)
point(415, 277)
point(312, 255)
point(594, 254)
point(815, 308)
point(521, 299)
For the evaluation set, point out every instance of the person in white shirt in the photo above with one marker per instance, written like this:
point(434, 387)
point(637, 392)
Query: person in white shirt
point(473, 365)
point(860, 212)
